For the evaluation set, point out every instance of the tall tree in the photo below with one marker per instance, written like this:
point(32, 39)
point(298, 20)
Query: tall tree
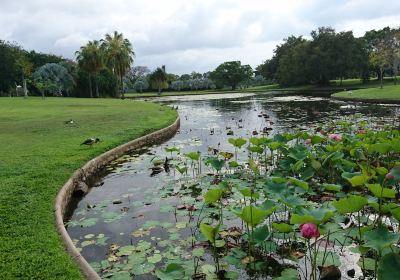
point(231, 73)
point(118, 55)
point(380, 57)
point(269, 69)
point(53, 78)
point(9, 76)
point(90, 58)
point(25, 67)
point(158, 79)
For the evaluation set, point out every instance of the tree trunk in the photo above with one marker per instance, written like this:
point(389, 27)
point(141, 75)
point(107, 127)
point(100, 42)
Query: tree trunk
point(122, 88)
point(25, 89)
point(97, 86)
point(341, 80)
point(381, 72)
point(90, 86)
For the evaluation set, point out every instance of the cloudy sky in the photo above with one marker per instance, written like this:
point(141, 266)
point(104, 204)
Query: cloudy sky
point(186, 35)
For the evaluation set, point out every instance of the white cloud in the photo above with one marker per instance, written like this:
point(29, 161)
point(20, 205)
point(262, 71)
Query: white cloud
point(185, 35)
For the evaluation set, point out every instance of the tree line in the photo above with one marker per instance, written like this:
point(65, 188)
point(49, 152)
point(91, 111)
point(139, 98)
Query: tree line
point(330, 55)
point(99, 70)
point(105, 67)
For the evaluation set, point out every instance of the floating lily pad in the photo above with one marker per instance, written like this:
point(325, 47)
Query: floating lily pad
point(155, 258)
point(89, 222)
point(180, 225)
point(112, 216)
point(125, 250)
point(139, 269)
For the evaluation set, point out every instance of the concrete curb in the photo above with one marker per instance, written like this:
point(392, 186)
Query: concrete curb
point(90, 168)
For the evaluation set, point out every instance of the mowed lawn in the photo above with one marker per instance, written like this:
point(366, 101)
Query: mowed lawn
point(38, 153)
point(391, 92)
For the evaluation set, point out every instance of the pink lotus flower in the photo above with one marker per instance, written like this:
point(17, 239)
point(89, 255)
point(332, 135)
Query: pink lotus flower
point(309, 230)
point(307, 141)
point(335, 136)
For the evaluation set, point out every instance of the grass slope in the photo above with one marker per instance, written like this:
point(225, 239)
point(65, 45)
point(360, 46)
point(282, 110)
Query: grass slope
point(334, 85)
point(253, 89)
point(391, 92)
point(38, 153)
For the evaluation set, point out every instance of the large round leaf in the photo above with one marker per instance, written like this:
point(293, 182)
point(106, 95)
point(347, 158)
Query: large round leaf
point(350, 204)
point(380, 238)
point(389, 267)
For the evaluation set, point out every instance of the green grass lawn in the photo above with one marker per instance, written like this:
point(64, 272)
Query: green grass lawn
point(391, 92)
point(373, 82)
point(254, 89)
point(38, 153)
point(172, 93)
point(334, 84)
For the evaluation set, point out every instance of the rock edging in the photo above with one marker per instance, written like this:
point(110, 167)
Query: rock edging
point(90, 168)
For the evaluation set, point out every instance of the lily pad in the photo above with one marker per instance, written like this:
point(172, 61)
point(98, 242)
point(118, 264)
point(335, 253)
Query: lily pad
point(389, 267)
point(155, 258)
point(380, 238)
point(350, 204)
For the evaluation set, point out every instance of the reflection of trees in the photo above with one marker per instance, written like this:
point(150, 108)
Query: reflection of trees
point(225, 105)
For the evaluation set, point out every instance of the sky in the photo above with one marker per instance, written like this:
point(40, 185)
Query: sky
point(186, 35)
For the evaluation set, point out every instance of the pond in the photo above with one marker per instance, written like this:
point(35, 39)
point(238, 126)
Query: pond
point(137, 217)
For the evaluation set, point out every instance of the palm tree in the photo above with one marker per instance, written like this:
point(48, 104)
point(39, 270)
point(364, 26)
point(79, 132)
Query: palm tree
point(90, 59)
point(118, 55)
point(158, 79)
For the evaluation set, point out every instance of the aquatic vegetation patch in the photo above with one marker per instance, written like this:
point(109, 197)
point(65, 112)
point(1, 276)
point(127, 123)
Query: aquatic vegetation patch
point(292, 205)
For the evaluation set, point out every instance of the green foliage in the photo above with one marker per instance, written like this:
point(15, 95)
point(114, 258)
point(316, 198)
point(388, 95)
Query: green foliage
point(381, 192)
point(282, 227)
point(209, 232)
point(118, 55)
point(314, 216)
point(288, 274)
point(349, 178)
point(53, 79)
point(158, 79)
point(252, 215)
point(237, 142)
point(380, 238)
point(216, 163)
point(18, 64)
point(389, 267)
point(329, 55)
point(195, 156)
point(231, 73)
point(172, 272)
point(213, 195)
point(350, 204)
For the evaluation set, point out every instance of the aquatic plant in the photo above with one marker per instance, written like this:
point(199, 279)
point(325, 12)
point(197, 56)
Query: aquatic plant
point(295, 202)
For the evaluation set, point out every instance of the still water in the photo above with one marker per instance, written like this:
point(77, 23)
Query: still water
point(130, 206)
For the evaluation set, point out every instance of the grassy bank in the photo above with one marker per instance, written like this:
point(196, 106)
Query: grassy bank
point(387, 93)
point(38, 153)
point(334, 85)
point(255, 89)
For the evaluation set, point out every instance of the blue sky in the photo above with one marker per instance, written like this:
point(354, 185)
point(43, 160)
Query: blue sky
point(186, 35)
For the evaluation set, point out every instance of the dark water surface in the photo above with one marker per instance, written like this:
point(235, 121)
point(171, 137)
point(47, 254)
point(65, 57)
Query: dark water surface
point(145, 212)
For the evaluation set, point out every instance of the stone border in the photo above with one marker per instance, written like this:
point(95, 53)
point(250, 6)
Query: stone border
point(90, 168)
point(373, 101)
